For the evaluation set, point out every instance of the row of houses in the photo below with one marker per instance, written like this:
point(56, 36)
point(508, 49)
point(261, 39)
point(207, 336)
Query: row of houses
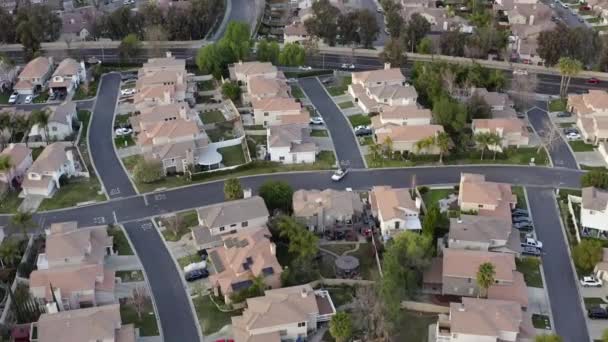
point(41, 73)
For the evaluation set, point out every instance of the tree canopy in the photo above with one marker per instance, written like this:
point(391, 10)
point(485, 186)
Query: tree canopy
point(233, 189)
point(277, 195)
point(587, 254)
point(596, 178)
point(341, 327)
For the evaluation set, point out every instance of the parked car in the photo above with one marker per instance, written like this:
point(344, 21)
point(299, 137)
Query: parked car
point(585, 8)
point(530, 251)
point(348, 66)
point(521, 115)
point(339, 174)
point(593, 80)
point(519, 219)
point(532, 242)
point(597, 313)
point(316, 120)
point(523, 226)
point(519, 211)
point(571, 130)
point(304, 67)
point(127, 92)
point(519, 214)
point(379, 9)
point(123, 131)
point(362, 130)
point(326, 81)
point(564, 114)
point(591, 281)
point(573, 136)
point(197, 274)
point(28, 99)
point(520, 72)
point(13, 98)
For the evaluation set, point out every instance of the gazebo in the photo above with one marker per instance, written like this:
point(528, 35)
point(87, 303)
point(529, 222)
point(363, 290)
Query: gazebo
point(209, 158)
point(347, 266)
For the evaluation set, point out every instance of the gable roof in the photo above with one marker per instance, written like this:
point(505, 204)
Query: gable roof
point(485, 317)
point(36, 68)
point(462, 263)
point(336, 203)
point(381, 75)
point(392, 203)
point(296, 136)
point(17, 153)
point(408, 133)
point(276, 104)
point(479, 228)
point(62, 112)
point(226, 213)
point(52, 157)
point(67, 67)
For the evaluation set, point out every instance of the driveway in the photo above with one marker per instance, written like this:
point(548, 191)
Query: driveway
point(107, 165)
point(347, 148)
point(560, 151)
point(568, 316)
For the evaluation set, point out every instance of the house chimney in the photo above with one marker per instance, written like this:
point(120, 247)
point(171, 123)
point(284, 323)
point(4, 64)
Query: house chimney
point(304, 292)
point(461, 307)
point(168, 54)
point(273, 249)
point(387, 66)
point(247, 192)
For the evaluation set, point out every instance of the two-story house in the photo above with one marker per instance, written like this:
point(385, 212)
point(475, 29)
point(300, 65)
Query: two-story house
point(72, 270)
point(411, 115)
point(286, 314)
point(60, 123)
point(295, 33)
point(591, 110)
point(227, 218)
point(501, 105)
point(20, 159)
point(274, 110)
point(328, 209)
point(161, 81)
point(485, 320)
point(485, 198)
point(243, 71)
point(67, 76)
point(404, 138)
point(243, 256)
point(55, 161)
point(260, 87)
point(513, 132)
point(34, 76)
point(291, 144)
point(483, 233)
point(395, 210)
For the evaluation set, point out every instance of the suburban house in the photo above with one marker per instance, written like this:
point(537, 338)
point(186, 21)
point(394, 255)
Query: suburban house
point(100, 323)
point(161, 81)
point(395, 210)
point(34, 76)
point(592, 114)
point(327, 209)
point(289, 313)
point(55, 161)
point(60, 124)
point(291, 144)
point(594, 209)
point(243, 71)
point(501, 105)
point(67, 76)
point(483, 233)
point(78, 23)
point(485, 198)
point(20, 157)
point(374, 90)
point(404, 138)
point(243, 256)
point(456, 272)
point(295, 33)
point(260, 87)
point(272, 111)
point(71, 269)
point(227, 218)
point(513, 132)
point(487, 320)
point(439, 18)
point(601, 269)
point(411, 115)
point(170, 132)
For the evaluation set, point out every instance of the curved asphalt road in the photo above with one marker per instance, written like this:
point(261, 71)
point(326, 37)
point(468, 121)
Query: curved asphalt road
point(561, 154)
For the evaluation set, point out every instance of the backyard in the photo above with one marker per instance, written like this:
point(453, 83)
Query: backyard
point(147, 325)
point(124, 141)
point(205, 85)
point(213, 116)
point(432, 196)
point(185, 220)
point(77, 190)
point(210, 317)
point(232, 155)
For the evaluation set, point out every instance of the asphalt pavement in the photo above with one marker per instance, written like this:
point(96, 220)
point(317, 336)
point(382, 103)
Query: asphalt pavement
point(560, 280)
point(558, 148)
point(347, 147)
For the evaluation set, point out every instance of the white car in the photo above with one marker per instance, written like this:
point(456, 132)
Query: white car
point(520, 72)
point(316, 120)
point(13, 98)
point(348, 66)
point(127, 92)
point(303, 67)
point(28, 99)
point(591, 281)
point(573, 136)
point(532, 242)
point(339, 174)
point(357, 128)
point(123, 131)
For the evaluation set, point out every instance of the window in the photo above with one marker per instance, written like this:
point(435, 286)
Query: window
point(281, 158)
point(397, 224)
point(233, 225)
point(244, 224)
point(301, 324)
point(480, 205)
point(265, 113)
point(222, 229)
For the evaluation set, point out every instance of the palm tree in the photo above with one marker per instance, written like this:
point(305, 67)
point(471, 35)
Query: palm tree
point(41, 118)
point(388, 146)
point(495, 141)
point(485, 277)
point(442, 141)
point(483, 141)
point(424, 144)
point(568, 67)
point(23, 220)
point(20, 124)
point(9, 252)
point(374, 150)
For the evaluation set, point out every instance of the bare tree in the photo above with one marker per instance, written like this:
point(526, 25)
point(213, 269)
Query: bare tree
point(523, 88)
point(549, 137)
point(173, 224)
point(367, 309)
point(139, 300)
point(448, 77)
point(156, 35)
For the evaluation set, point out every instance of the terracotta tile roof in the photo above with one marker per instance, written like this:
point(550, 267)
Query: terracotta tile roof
point(502, 126)
point(479, 228)
point(288, 119)
point(516, 292)
point(307, 203)
point(168, 130)
point(254, 68)
point(17, 153)
point(276, 104)
point(51, 158)
point(475, 189)
point(392, 203)
point(227, 213)
point(405, 112)
point(409, 133)
point(485, 317)
point(262, 86)
point(23, 85)
point(462, 263)
point(595, 199)
point(295, 136)
point(382, 75)
point(71, 279)
point(36, 68)
point(67, 241)
point(393, 92)
point(62, 112)
point(67, 67)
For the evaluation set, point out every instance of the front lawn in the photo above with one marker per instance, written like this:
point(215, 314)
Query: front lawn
point(82, 92)
point(188, 259)
point(124, 141)
point(147, 325)
point(42, 97)
point(359, 120)
point(76, 191)
point(130, 162)
point(297, 92)
point(185, 220)
point(591, 302)
point(432, 196)
point(557, 105)
point(4, 96)
point(121, 244)
point(345, 105)
point(326, 159)
point(340, 89)
point(319, 133)
point(521, 197)
point(210, 318)
point(130, 276)
point(122, 120)
point(541, 322)
point(530, 268)
point(10, 202)
point(222, 131)
point(213, 116)
point(581, 146)
point(232, 155)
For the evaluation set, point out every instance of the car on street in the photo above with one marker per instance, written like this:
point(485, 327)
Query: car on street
point(520, 72)
point(533, 251)
point(224, 340)
point(316, 120)
point(532, 242)
point(597, 313)
point(564, 114)
point(585, 8)
point(339, 174)
point(521, 115)
point(304, 67)
point(28, 99)
point(591, 281)
point(523, 226)
point(127, 92)
point(573, 136)
point(380, 9)
point(197, 274)
point(123, 131)
point(13, 98)
point(593, 80)
point(348, 66)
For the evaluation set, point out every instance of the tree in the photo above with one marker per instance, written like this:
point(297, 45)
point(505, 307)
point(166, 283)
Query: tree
point(403, 263)
point(302, 242)
point(341, 326)
point(139, 300)
point(41, 118)
point(148, 171)
point(237, 40)
point(393, 53)
point(5, 125)
point(130, 47)
point(568, 67)
point(23, 220)
point(596, 178)
point(35, 24)
point(431, 221)
point(548, 338)
point(292, 55)
point(348, 28)
point(7, 27)
point(483, 141)
point(231, 90)
point(324, 22)
point(268, 51)
point(485, 277)
point(426, 46)
point(452, 43)
point(387, 146)
point(375, 150)
point(478, 108)
point(416, 29)
point(277, 195)
point(484, 40)
point(523, 88)
point(450, 114)
point(9, 252)
point(424, 144)
point(495, 142)
point(587, 254)
point(394, 20)
point(5, 163)
point(367, 27)
point(210, 59)
point(368, 312)
point(156, 36)
point(232, 189)
point(442, 141)
point(173, 224)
